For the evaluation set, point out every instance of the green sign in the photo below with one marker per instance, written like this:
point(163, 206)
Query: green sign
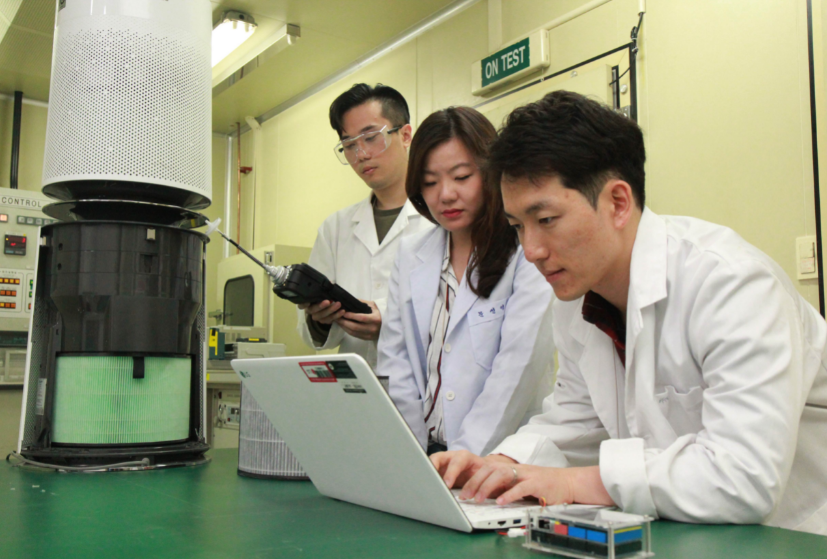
point(506, 62)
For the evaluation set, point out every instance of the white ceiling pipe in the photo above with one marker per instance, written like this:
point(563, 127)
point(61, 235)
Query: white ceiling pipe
point(228, 190)
point(442, 15)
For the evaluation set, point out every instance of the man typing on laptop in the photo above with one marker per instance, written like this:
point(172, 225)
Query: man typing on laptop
point(692, 381)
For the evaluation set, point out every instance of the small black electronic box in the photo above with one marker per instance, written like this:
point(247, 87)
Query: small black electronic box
point(301, 283)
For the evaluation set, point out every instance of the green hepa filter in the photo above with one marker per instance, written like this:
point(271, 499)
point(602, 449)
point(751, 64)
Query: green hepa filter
point(97, 400)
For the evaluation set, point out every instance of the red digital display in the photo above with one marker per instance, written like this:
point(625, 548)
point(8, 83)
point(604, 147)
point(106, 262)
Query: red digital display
point(15, 244)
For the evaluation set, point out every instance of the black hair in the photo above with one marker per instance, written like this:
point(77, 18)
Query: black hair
point(581, 142)
point(494, 240)
point(394, 106)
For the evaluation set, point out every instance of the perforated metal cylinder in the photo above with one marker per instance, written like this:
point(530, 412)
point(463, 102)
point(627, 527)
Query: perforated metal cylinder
point(261, 451)
point(130, 102)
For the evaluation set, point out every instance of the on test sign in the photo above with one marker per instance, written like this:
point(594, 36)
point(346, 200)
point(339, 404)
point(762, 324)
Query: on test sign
point(510, 63)
point(505, 63)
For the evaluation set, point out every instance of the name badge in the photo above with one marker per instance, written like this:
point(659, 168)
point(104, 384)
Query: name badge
point(486, 311)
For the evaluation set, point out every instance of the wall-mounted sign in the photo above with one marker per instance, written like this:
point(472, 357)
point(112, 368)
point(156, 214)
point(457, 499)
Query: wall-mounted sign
point(510, 63)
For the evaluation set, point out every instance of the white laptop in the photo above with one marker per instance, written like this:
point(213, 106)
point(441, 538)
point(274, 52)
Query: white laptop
point(354, 445)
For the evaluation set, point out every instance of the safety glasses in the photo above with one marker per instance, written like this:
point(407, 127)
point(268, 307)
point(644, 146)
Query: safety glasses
point(370, 144)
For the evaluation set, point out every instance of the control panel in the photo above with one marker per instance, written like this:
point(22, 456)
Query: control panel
point(16, 294)
point(21, 216)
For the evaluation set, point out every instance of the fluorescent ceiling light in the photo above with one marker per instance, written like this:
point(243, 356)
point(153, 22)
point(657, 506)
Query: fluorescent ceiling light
point(232, 30)
point(264, 49)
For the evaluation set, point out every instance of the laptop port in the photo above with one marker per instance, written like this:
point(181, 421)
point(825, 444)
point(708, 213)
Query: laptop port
point(501, 522)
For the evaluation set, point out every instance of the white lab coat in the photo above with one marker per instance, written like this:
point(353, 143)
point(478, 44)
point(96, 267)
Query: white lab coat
point(348, 252)
point(725, 387)
point(492, 370)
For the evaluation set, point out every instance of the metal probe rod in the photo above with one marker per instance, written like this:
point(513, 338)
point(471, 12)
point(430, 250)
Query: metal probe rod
point(239, 247)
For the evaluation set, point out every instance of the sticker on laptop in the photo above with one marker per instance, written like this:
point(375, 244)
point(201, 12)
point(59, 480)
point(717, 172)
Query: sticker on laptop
point(341, 369)
point(317, 371)
point(353, 388)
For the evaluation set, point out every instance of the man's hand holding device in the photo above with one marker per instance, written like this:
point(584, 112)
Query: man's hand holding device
point(362, 326)
point(324, 312)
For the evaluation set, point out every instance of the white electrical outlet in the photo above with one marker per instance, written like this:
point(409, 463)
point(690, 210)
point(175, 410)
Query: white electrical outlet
point(805, 257)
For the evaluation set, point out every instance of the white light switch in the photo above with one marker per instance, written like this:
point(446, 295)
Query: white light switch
point(805, 257)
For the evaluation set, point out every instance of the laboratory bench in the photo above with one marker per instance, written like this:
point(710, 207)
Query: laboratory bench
point(211, 512)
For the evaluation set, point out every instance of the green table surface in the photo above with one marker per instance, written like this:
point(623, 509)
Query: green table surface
point(211, 512)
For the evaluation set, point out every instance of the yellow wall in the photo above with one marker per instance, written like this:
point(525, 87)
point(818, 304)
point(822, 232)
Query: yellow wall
point(725, 113)
point(727, 120)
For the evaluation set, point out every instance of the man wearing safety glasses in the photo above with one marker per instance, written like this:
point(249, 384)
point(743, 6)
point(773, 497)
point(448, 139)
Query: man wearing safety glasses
point(356, 246)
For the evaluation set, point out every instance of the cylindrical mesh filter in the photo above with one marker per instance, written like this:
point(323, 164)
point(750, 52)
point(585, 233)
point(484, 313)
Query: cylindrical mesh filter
point(130, 102)
point(97, 400)
point(261, 451)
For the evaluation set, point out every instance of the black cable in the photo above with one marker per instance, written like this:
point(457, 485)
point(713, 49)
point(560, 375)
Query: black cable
point(634, 35)
point(816, 180)
point(620, 76)
point(636, 32)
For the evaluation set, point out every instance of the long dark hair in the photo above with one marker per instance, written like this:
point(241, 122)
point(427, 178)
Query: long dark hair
point(494, 240)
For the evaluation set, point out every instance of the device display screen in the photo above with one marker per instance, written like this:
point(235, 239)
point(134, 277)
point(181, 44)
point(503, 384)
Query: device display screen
point(15, 244)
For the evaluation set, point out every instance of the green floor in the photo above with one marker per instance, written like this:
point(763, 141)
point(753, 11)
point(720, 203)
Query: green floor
point(211, 512)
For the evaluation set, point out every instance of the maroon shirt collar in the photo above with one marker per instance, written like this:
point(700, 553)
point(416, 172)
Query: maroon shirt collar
point(604, 315)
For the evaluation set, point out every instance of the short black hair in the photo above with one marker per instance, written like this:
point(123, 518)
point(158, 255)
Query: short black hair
point(394, 106)
point(581, 142)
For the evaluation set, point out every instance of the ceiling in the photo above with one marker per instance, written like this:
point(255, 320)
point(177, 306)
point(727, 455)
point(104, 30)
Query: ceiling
point(26, 31)
point(334, 33)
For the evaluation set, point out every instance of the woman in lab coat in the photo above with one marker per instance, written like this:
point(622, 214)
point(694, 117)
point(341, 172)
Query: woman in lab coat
point(465, 308)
